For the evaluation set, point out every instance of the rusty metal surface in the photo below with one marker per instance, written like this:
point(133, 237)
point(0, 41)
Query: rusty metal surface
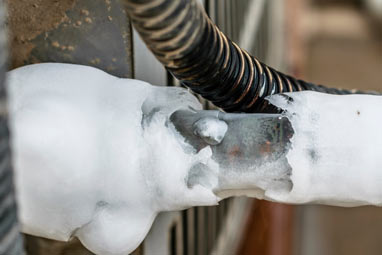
point(89, 32)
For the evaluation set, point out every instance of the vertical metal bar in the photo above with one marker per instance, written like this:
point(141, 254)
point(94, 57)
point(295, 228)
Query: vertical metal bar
point(201, 231)
point(251, 24)
point(144, 60)
point(10, 238)
point(211, 228)
point(189, 232)
point(179, 234)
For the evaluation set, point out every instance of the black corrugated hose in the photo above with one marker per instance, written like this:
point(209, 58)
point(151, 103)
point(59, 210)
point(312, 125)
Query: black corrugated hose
point(201, 57)
point(10, 239)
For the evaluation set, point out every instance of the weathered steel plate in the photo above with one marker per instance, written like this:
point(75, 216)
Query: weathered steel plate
point(89, 32)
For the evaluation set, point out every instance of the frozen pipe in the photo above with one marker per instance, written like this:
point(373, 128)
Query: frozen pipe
point(10, 238)
point(98, 157)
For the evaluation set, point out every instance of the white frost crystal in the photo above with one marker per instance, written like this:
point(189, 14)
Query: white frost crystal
point(98, 158)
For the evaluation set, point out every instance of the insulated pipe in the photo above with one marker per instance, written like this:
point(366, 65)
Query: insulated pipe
point(196, 52)
point(10, 238)
point(151, 149)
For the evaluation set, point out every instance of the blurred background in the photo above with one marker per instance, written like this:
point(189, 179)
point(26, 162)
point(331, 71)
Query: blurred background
point(339, 44)
point(342, 46)
point(332, 42)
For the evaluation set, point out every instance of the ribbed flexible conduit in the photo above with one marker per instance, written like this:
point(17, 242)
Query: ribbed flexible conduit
point(196, 52)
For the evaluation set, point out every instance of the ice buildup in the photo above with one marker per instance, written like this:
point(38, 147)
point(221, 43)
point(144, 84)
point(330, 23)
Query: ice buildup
point(98, 157)
point(335, 154)
point(95, 156)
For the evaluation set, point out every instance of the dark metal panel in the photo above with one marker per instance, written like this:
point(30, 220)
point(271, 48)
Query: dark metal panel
point(10, 238)
point(89, 32)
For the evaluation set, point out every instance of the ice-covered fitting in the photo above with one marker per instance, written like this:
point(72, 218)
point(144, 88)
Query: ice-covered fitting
point(249, 149)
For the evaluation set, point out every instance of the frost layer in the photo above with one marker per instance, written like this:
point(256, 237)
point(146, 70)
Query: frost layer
point(95, 156)
point(336, 150)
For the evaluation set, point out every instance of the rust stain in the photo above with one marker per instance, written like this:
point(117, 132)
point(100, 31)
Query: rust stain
point(266, 148)
point(55, 44)
point(234, 152)
point(85, 12)
point(88, 20)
